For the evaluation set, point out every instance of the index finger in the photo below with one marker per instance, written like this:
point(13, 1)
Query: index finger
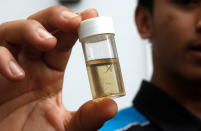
point(58, 57)
point(58, 17)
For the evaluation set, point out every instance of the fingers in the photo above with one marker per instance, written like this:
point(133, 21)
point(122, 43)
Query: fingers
point(27, 32)
point(35, 32)
point(92, 115)
point(9, 67)
point(58, 17)
point(89, 13)
point(58, 57)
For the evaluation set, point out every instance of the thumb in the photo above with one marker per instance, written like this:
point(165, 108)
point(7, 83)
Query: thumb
point(92, 115)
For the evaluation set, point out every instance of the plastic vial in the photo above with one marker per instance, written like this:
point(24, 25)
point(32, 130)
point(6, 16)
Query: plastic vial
point(98, 43)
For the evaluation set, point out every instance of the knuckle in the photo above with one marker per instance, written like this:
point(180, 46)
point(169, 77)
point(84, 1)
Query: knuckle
point(30, 24)
point(56, 10)
point(48, 11)
point(28, 28)
point(5, 29)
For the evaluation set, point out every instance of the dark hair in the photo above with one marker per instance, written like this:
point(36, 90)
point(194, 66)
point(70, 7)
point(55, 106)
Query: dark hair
point(148, 4)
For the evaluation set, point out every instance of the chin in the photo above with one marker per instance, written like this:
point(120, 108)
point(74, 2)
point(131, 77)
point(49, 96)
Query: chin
point(193, 77)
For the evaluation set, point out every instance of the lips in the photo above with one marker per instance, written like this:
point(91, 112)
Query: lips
point(195, 49)
point(196, 46)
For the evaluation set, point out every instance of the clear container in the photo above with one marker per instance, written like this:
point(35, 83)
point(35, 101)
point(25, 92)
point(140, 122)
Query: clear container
point(97, 37)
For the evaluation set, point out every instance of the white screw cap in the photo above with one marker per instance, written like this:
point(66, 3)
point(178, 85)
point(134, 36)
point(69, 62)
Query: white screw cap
point(95, 26)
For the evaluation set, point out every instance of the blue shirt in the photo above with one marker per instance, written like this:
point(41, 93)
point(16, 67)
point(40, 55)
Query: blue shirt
point(124, 119)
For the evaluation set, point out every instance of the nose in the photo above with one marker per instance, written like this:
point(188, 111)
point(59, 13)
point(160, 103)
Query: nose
point(198, 22)
point(198, 27)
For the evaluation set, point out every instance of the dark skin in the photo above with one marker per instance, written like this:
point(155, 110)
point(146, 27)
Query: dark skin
point(175, 31)
point(33, 54)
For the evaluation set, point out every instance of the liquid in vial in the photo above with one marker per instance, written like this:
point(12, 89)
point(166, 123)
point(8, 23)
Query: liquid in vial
point(105, 78)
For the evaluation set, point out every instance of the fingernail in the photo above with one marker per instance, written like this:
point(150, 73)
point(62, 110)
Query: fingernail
point(44, 34)
point(93, 12)
point(15, 69)
point(68, 15)
point(99, 99)
point(90, 9)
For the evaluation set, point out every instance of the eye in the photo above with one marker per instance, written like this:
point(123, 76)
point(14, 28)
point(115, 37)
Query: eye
point(187, 2)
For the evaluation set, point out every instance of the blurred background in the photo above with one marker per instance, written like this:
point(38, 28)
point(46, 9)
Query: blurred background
point(134, 53)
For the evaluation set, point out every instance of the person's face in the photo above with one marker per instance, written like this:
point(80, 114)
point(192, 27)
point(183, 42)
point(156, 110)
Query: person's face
point(176, 35)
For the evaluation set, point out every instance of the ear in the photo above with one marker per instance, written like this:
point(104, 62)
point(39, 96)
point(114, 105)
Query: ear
point(143, 21)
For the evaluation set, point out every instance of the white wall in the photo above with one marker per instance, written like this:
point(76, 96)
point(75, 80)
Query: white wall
point(131, 49)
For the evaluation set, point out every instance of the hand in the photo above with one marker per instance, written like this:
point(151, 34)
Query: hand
point(33, 54)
